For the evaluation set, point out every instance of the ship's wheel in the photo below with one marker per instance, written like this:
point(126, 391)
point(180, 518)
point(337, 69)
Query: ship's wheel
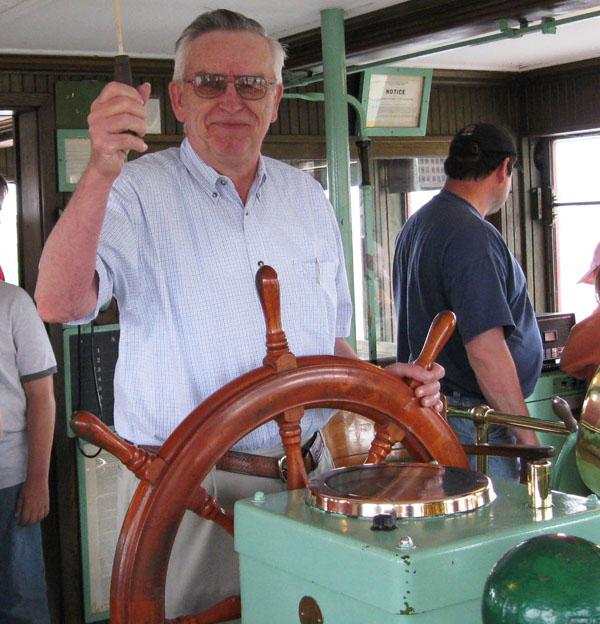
point(279, 390)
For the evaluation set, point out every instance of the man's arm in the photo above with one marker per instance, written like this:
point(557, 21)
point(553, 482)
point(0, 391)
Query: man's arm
point(496, 375)
point(33, 503)
point(581, 355)
point(428, 391)
point(67, 286)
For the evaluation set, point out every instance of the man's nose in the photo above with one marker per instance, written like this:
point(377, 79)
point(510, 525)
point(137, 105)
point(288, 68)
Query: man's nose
point(231, 98)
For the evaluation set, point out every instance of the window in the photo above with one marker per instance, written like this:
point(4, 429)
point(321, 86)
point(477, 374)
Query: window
point(576, 186)
point(9, 257)
point(318, 170)
point(402, 186)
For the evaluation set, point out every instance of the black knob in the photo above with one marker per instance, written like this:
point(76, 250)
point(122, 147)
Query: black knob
point(384, 522)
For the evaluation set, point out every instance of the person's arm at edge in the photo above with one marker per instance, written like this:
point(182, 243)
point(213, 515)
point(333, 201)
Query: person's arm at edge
point(67, 287)
point(429, 390)
point(581, 355)
point(496, 375)
point(33, 503)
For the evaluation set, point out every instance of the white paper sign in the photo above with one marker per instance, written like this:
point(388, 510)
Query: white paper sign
point(394, 101)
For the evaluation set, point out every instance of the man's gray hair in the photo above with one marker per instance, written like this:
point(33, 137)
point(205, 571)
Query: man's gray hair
point(222, 19)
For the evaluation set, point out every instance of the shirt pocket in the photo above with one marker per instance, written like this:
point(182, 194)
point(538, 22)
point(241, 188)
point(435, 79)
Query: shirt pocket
point(309, 303)
point(319, 274)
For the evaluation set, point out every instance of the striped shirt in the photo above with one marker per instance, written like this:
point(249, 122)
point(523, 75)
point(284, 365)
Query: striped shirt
point(179, 251)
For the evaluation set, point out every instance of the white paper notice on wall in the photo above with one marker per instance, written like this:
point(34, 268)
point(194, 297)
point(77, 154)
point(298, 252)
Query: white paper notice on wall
point(394, 101)
point(77, 155)
point(153, 121)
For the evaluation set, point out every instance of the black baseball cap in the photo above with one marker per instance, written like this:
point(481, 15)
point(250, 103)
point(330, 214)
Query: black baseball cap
point(483, 137)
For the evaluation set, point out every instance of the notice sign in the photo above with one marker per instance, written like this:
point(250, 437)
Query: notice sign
point(77, 155)
point(74, 149)
point(396, 101)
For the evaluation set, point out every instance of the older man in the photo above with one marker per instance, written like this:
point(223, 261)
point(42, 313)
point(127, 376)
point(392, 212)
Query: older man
point(448, 257)
point(177, 238)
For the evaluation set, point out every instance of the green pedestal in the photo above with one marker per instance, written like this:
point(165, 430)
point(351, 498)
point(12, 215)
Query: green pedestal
point(289, 551)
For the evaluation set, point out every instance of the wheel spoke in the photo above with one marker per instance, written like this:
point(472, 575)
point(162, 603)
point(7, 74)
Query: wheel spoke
point(224, 611)
point(291, 436)
point(206, 506)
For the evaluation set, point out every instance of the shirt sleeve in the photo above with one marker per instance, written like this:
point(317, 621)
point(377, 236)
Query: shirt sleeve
point(34, 355)
point(477, 275)
point(117, 260)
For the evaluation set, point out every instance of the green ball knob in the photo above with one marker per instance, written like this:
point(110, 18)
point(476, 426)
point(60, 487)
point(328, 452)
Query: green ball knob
point(548, 579)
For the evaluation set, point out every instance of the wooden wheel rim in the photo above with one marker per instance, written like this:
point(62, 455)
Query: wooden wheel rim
point(153, 518)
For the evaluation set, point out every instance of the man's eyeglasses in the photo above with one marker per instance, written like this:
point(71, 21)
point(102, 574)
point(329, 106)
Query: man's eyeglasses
point(214, 85)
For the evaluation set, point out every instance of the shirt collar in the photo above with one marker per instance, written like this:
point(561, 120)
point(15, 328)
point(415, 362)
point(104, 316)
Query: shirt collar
point(462, 201)
point(207, 176)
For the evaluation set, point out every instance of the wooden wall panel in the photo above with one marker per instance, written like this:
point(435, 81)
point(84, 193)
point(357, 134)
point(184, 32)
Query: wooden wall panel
point(562, 99)
point(454, 106)
point(300, 117)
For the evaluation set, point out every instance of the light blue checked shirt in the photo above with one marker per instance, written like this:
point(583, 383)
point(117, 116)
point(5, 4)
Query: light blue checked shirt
point(179, 251)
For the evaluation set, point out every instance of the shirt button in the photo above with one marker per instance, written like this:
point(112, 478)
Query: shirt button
point(215, 194)
point(246, 213)
point(223, 182)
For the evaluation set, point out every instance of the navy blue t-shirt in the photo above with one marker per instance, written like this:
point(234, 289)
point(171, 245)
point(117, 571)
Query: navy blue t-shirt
point(449, 258)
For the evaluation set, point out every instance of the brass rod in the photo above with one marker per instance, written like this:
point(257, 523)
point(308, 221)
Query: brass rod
point(492, 417)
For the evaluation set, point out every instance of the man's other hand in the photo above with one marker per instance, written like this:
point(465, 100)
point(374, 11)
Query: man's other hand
point(33, 503)
point(429, 389)
point(117, 123)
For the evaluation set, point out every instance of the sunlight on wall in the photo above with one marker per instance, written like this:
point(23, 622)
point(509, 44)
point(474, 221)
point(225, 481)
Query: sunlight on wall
point(9, 257)
point(577, 226)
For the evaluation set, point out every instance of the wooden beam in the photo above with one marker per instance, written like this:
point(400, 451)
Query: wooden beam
point(79, 64)
point(426, 24)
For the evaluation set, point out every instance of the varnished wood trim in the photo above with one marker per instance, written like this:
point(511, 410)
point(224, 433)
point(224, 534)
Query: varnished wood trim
point(80, 64)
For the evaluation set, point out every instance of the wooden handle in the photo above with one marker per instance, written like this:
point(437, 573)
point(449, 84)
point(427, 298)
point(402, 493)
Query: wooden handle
point(267, 286)
point(442, 327)
point(123, 74)
point(93, 430)
point(123, 70)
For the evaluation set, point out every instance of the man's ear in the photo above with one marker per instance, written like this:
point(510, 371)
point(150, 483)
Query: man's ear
point(176, 94)
point(503, 170)
point(278, 96)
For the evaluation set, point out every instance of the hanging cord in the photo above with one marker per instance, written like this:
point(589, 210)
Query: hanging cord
point(79, 392)
point(95, 375)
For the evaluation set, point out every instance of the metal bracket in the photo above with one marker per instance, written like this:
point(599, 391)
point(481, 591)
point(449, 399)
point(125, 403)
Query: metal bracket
point(507, 29)
point(548, 26)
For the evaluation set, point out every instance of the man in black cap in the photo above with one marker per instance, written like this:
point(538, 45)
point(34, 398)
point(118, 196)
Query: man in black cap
point(448, 257)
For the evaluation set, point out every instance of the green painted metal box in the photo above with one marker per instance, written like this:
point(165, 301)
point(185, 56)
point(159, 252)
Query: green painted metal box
point(355, 575)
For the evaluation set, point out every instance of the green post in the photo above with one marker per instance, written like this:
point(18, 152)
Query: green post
point(363, 144)
point(336, 132)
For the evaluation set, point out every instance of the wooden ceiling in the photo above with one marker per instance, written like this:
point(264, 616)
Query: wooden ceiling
point(427, 22)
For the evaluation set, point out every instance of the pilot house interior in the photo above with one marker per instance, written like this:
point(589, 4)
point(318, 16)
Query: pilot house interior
point(409, 522)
